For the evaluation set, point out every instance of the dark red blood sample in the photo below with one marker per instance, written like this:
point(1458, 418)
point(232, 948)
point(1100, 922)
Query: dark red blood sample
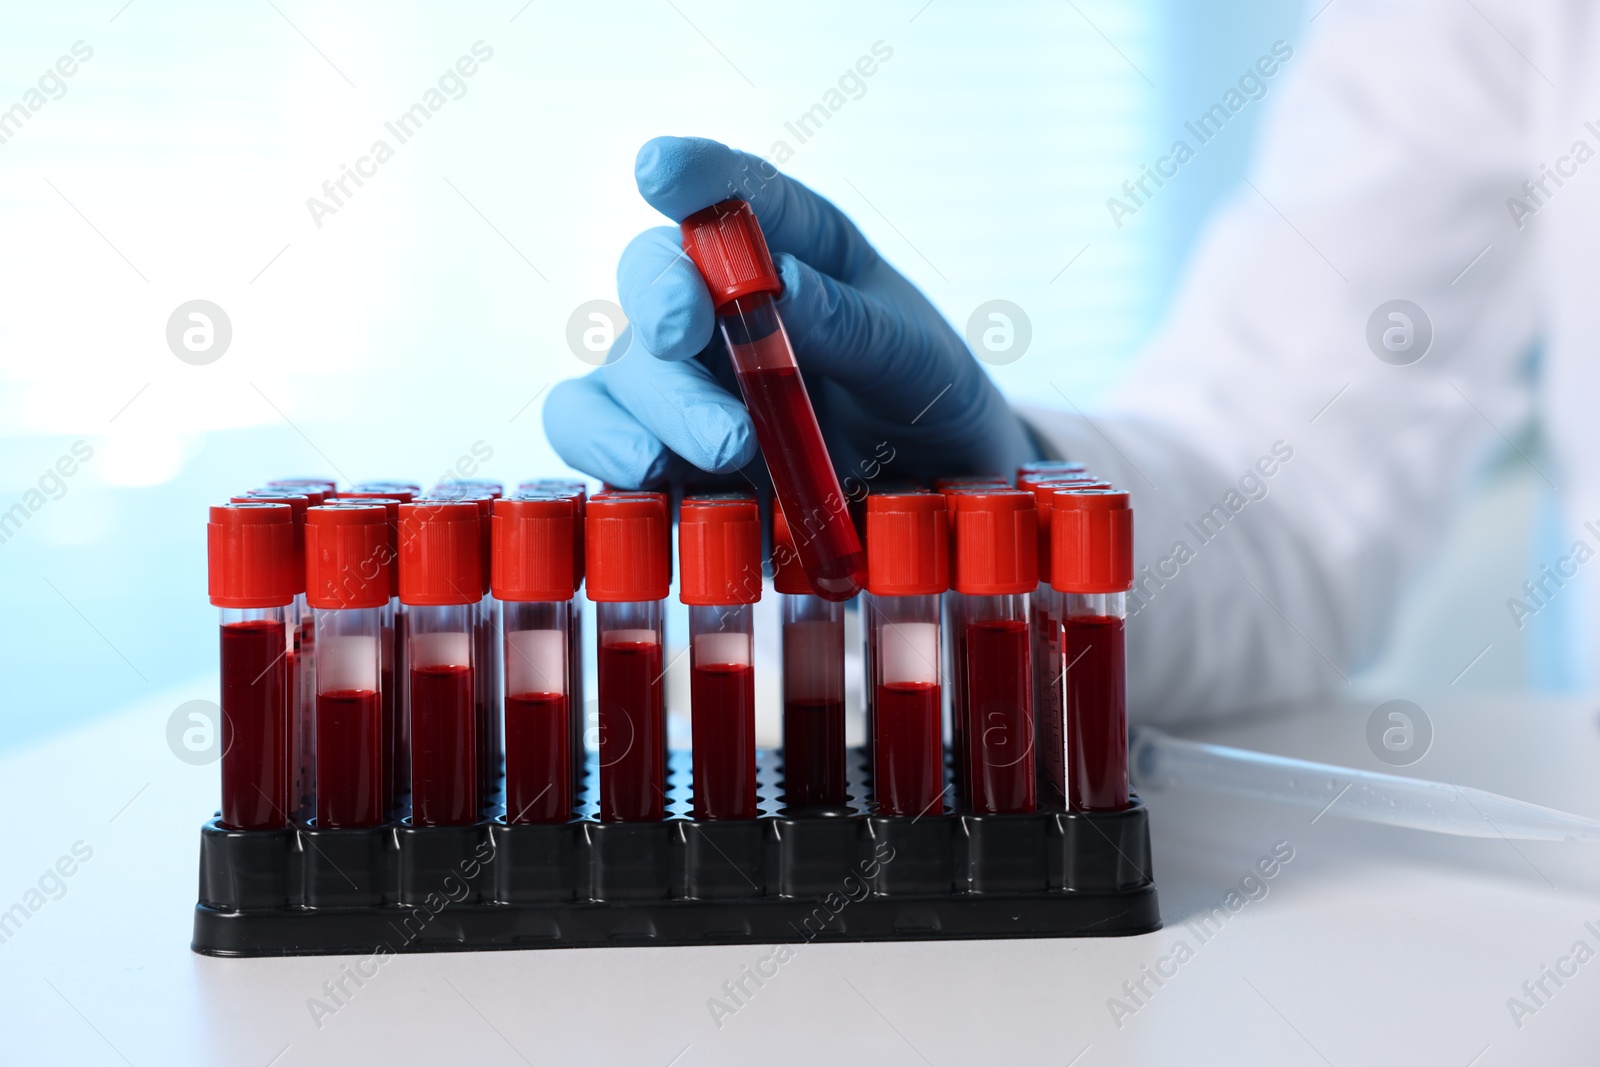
point(444, 757)
point(538, 758)
point(813, 752)
point(1048, 732)
point(907, 776)
point(488, 726)
point(349, 759)
point(389, 739)
point(829, 549)
point(632, 748)
point(723, 698)
point(255, 725)
point(958, 706)
point(999, 733)
point(1097, 721)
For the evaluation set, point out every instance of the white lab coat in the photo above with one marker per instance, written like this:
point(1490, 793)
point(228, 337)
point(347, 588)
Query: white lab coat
point(1402, 130)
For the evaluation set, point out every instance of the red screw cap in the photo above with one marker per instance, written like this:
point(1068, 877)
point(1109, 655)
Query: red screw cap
point(534, 547)
point(391, 504)
point(995, 534)
point(349, 556)
point(719, 551)
point(441, 552)
point(1044, 497)
point(1091, 541)
point(579, 492)
point(298, 500)
point(627, 547)
point(908, 544)
point(727, 246)
point(250, 555)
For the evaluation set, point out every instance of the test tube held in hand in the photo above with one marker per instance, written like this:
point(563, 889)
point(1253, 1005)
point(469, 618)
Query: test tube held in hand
point(627, 565)
point(908, 544)
point(727, 246)
point(535, 577)
point(719, 564)
point(993, 570)
point(348, 569)
point(1091, 537)
point(440, 584)
point(812, 682)
point(250, 550)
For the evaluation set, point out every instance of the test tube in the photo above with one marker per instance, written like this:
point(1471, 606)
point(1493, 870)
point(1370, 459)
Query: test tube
point(1091, 535)
point(719, 550)
point(486, 654)
point(250, 577)
point(813, 681)
point(348, 572)
point(627, 557)
point(578, 492)
point(993, 569)
point(300, 659)
point(908, 545)
point(726, 244)
point(397, 760)
point(535, 578)
point(1044, 610)
point(440, 576)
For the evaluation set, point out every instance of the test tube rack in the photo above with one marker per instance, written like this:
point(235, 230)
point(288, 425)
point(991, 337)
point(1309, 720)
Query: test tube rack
point(826, 875)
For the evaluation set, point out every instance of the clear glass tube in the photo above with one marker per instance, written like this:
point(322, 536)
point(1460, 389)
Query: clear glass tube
point(441, 708)
point(1094, 688)
point(538, 721)
point(791, 442)
point(1049, 731)
point(256, 706)
point(907, 748)
point(303, 734)
point(577, 708)
point(487, 702)
point(955, 665)
point(633, 749)
point(400, 768)
point(813, 700)
point(350, 717)
point(997, 679)
point(722, 697)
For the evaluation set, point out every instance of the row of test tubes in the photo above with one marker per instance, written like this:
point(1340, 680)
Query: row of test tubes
point(392, 656)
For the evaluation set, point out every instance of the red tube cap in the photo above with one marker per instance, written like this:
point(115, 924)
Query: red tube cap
point(534, 547)
point(298, 502)
point(996, 542)
point(1091, 541)
point(349, 556)
point(485, 502)
point(908, 544)
point(627, 547)
point(719, 550)
point(727, 246)
point(441, 552)
point(579, 492)
point(1044, 496)
point(250, 561)
point(391, 504)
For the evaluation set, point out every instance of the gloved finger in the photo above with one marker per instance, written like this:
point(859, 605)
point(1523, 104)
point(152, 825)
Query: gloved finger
point(592, 433)
point(896, 363)
point(685, 408)
point(664, 296)
point(681, 175)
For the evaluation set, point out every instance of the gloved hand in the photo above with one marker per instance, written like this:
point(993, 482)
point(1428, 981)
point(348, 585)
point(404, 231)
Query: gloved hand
point(895, 389)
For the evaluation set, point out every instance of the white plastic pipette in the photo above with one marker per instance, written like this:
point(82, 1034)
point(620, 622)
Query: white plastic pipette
point(1158, 761)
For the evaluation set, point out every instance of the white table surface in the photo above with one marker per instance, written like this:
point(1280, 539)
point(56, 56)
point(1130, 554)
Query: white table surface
point(1372, 946)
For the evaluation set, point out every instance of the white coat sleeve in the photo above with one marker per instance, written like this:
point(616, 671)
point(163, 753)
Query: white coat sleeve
point(1287, 483)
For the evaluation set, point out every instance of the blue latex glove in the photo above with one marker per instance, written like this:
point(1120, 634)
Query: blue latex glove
point(896, 391)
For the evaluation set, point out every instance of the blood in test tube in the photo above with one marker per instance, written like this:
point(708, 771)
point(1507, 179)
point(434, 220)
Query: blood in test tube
point(1049, 732)
point(535, 577)
point(440, 583)
point(727, 246)
point(993, 570)
point(251, 568)
point(814, 772)
point(719, 555)
point(348, 574)
point(299, 659)
point(578, 492)
point(908, 543)
point(627, 563)
point(1091, 532)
